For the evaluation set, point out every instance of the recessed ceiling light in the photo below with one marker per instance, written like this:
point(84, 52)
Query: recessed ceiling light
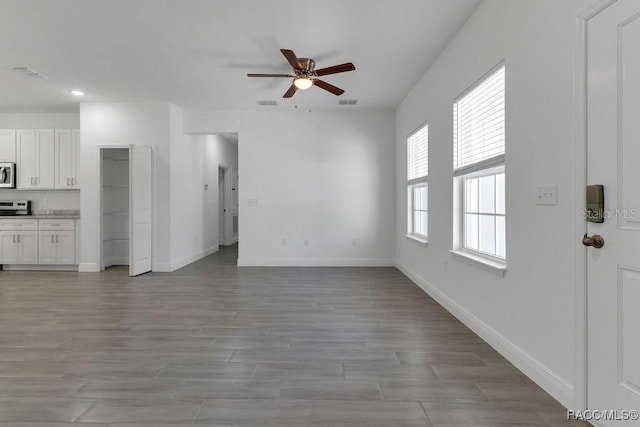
point(77, 92)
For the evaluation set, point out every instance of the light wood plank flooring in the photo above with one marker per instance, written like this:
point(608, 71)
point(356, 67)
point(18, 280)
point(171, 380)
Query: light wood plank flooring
point(217, 345)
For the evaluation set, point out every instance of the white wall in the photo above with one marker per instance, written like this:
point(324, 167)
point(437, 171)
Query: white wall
point(58, 199)
point(528, 315)
point(326, 177)
point(194, 211)
point(109, 124)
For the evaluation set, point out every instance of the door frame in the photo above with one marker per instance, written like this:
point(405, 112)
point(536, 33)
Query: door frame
point(227, 224)
point(581, 380)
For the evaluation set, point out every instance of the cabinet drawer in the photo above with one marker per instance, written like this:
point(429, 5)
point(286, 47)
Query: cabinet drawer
point(18, 224)
point(57, 224)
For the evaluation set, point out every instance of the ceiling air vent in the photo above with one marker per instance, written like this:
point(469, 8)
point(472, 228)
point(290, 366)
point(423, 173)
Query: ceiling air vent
point(267, 103)
point(348, 102)
point(30, 72)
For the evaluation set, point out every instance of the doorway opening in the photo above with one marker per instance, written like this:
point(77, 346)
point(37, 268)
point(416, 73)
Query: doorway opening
point(126, 207)
point(222, 209)
point(115, 206)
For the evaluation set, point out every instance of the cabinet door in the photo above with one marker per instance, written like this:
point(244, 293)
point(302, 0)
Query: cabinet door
point(28, 247)
point(65, 247)
point(9, 243)
point(47, 247)
point(8, 145)
point(64, 158)
point(26, 159)
point(45, 162)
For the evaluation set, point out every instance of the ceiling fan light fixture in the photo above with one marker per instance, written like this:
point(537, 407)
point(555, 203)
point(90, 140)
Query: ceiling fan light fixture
point(303, 82)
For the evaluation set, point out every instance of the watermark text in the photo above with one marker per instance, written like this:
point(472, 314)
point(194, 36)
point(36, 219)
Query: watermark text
point(603, 415)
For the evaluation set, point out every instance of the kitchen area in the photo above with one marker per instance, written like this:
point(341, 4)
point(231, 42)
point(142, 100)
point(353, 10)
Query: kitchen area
point(39, 198)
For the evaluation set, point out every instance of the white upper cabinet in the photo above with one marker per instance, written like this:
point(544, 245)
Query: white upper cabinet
point(7, 145)
point(35, 158)
point(67, 146)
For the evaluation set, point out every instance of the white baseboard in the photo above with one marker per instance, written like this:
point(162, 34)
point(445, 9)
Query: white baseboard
point(39, 267)
point(89, 267)
point(161, 267)
point(230, 241)
point(546, 378)
point(192, 258)
point(315, 262)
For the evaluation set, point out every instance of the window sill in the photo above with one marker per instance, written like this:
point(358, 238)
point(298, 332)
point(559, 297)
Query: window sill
point(417, 239)
point(495, 267)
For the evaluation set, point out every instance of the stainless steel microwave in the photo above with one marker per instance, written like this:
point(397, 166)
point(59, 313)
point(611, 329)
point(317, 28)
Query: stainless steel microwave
point(7, 175)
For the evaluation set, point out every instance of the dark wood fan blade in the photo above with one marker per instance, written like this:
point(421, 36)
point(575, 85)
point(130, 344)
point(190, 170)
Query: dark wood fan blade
point(336, 69)
point(328, 87)
point(289, 93)
point(269, 75)
point(292, 58)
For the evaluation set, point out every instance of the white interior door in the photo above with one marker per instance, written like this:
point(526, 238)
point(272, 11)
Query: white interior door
point(613, 153)
point(140, 205)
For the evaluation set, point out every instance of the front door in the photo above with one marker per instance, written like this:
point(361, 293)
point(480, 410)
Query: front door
point(613, 153)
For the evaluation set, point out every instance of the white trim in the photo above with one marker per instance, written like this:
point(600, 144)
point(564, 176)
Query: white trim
point(175, 265)
point(542, 375)
point(495, 267)
point(162, 267)
point(580, 118)
point(417, 239)
point(316, 262)
point(231, 240)
point(481, 166)
point(39, 267)
point(166, 267)
point(89, 267)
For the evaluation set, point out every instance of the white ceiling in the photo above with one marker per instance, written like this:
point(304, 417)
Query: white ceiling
point(196, 53)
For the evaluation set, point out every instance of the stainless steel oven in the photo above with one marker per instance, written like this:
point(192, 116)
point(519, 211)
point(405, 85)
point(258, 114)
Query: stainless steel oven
point(7, 175)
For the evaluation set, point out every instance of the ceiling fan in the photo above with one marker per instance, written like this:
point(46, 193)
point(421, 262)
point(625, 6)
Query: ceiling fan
point(306, 75)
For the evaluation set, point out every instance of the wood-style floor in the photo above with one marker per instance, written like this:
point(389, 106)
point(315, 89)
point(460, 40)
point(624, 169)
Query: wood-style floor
point(217, 345)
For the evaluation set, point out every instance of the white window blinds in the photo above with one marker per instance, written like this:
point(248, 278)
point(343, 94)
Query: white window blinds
point(478, 124)
point(418, 154)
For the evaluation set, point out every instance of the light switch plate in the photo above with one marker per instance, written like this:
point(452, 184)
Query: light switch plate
point(547, 195)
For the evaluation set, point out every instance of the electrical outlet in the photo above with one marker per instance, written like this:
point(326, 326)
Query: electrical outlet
point(253, 203)
point(353, 242)
point(45, 202)
point(306, 242)
point(284, 242)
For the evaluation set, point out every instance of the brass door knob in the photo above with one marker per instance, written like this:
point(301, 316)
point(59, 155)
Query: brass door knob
point(597, 241)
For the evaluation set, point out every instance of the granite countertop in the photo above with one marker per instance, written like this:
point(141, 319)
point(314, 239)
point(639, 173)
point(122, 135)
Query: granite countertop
point(46, 214)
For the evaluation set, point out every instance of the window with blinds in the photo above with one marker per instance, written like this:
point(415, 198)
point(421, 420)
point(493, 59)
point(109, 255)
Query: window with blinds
point(479, 124)
point(418, 154)
point(417, 175)
point(478, 163)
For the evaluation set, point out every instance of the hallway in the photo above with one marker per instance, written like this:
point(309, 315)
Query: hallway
point(215, 344)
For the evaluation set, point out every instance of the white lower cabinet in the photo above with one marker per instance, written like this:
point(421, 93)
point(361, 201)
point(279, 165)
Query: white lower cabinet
point(57, 240)
point(57, 247)
point(19, 247)
point(44, 241)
